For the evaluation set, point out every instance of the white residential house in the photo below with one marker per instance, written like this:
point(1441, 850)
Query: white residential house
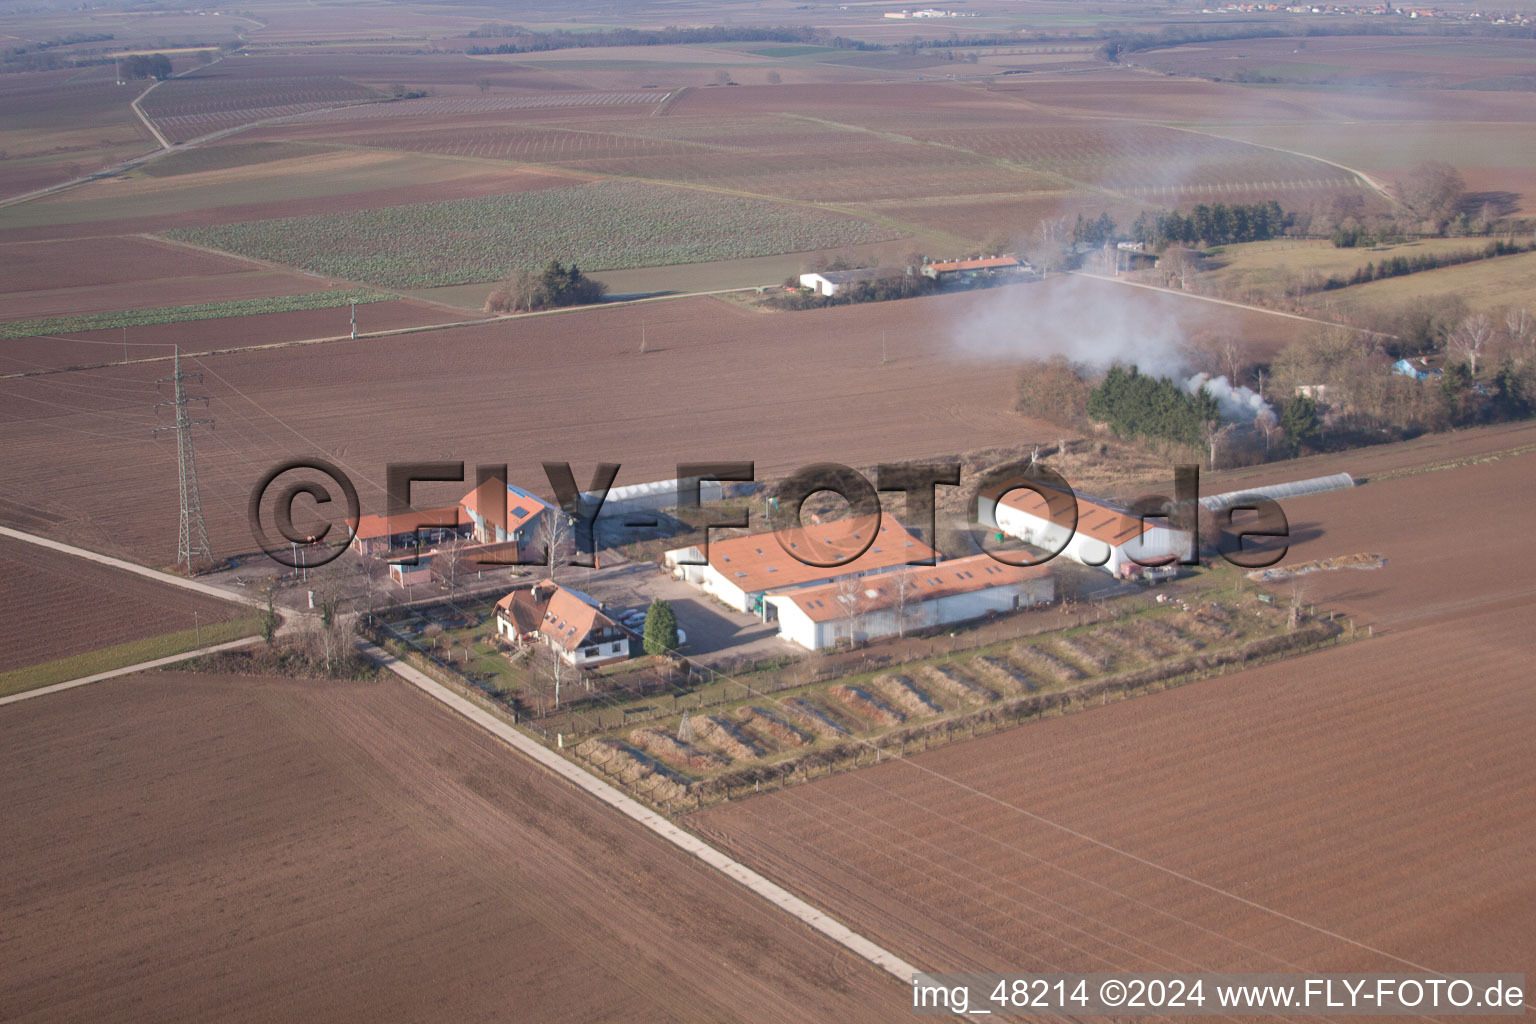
point(567, 620)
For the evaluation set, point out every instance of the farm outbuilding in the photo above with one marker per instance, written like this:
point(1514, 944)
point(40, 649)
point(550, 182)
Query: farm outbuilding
point(742, 570)
point(1276, 492)
point(521, 524)
point(830, 282)
point(908, 599)
point(379, 535)
point(1105, 537)
point(949, 271)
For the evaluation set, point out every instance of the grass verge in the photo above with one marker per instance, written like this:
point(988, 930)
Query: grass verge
point(178, 314)
point(131, 653)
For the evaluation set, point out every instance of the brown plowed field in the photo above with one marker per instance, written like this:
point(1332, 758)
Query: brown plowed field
point(155, 294)
point(91, 348)
point(1381, 791)
point(718, 382)
point(87, 214)
point(1358, 809)
point(59, 265)
point(224, 848)
point(57, 605)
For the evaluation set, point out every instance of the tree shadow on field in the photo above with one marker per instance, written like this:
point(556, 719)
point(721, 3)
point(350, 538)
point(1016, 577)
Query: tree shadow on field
point(635, 296)
point(1500, 203)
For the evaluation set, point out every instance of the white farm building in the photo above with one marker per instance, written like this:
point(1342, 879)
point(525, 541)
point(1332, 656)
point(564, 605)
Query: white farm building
point(914, 598)
point(743, 570)
point(1105, 537)
point(830, 282)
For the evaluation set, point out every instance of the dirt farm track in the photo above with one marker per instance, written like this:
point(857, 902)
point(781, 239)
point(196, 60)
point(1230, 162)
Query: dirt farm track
point(1358, 809)
point(243, 849)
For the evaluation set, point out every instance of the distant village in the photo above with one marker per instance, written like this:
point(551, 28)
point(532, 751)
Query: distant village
point(1386, 9)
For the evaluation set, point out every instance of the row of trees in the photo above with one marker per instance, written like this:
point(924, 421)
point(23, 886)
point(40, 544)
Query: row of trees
point(1400, 266)
point(1218, 224)
point(554, 286)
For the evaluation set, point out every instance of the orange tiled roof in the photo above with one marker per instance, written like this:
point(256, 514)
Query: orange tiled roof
point(522, 506)
point(372, 526)
point(986, 263)
point(958, 576)
point(568, 619)
point(766, 561)
point(1098, 521)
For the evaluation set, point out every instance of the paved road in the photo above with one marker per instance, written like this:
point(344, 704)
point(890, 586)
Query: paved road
point(682, 839)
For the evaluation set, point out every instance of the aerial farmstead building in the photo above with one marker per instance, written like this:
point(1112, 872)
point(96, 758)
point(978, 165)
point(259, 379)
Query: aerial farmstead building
point(568, 621)
point(970, 270)
point(379, 535)
point(913, 598)
point(830, 282)
point(743, 570)
point(523, 511)
point(1105, 537)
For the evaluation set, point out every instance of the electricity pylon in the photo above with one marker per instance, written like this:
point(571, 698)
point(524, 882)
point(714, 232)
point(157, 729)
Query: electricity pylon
point(192, 541)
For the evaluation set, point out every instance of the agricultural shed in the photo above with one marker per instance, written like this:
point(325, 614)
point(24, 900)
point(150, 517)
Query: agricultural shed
point(649, 497)
point(830, 282)
point(742, 570)
point(966, 270)
point(523, 509)
point(377, 535)
point(1105, 537)
point(1275, 492)
point(907, 599)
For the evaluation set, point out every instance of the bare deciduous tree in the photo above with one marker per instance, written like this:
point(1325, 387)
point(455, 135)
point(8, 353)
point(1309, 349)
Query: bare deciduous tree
point(1434, 190)
point(1267, 423)
point(1470, 337)
point(1517, 323)
point(553, 535)
point(446, 562)
point(903, 588)
point(371, 572)
point(855, 605)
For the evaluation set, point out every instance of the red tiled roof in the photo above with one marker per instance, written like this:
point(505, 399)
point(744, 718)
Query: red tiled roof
point(568, 619)
point(987, 263)
point(1095, 520)
point(525, 607)
point(767, 561)
point(521, 508)
point(372, 526)
point(927, 583)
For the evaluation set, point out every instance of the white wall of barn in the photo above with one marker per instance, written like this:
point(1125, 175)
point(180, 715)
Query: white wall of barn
point(1155, 541)
point(797, 627)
